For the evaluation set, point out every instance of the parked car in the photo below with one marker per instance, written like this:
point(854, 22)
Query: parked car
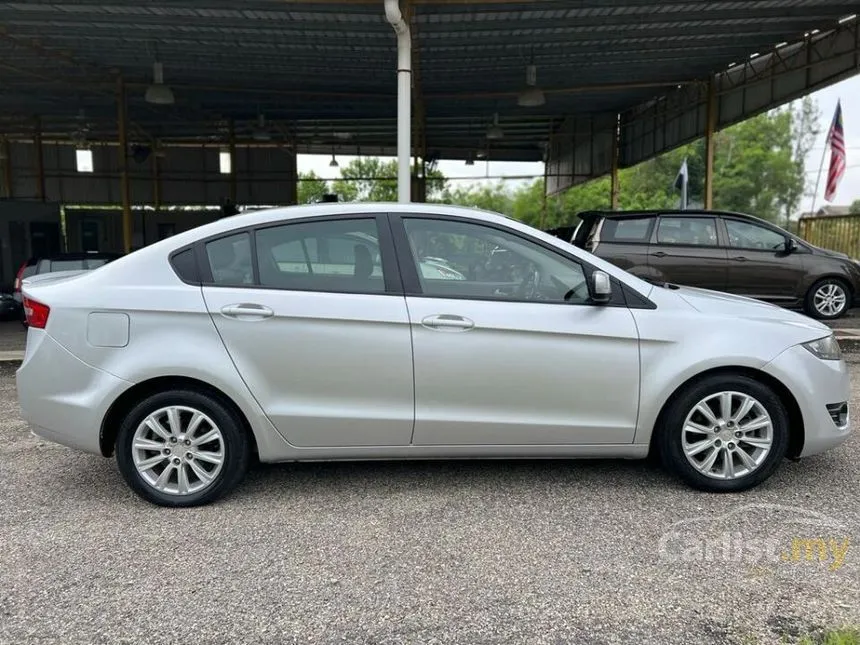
point(724, 251)
point(182, 369)
point(62, 262)
point(10, 308)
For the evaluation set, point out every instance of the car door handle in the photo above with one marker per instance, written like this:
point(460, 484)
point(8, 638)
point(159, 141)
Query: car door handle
point(447, 322)
point(659, 254)
point(739, 258)
point(247, 311)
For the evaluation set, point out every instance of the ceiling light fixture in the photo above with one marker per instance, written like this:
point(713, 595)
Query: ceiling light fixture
point(495, 131)
point(261, 133)
point(532, 96)
point(470, 159)
point(333, 163)
point(158, 93)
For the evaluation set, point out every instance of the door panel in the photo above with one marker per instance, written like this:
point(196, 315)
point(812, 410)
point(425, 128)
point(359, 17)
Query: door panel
point(317, 329)
point(329, 369)
point(684, 251)
point(758, 264)
point(511, 353)
point(524, 373)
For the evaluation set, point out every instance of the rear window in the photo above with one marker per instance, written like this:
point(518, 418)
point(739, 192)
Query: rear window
point(83, 264)
point(630, 230)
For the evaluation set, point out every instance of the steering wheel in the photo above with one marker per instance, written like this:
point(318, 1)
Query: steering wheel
point(580, 291)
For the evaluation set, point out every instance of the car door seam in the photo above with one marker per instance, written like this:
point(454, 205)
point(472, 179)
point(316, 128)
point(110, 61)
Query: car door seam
point(414, 390)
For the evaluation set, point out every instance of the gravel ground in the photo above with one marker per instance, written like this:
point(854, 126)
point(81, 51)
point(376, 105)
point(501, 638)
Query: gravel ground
point(427, 552)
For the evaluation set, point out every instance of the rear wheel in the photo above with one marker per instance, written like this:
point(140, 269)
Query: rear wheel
point(182, 448)
point(725, 433)
point(828, 299)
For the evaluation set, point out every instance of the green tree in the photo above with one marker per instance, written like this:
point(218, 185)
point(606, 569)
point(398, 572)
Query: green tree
point(855, 207)
point(311, 188)
point(370, 179)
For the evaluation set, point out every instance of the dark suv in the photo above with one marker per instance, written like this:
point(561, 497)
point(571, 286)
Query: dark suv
point(723, 251)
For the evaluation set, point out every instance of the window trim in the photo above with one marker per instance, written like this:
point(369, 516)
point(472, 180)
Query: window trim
point(412, 284)
point(717, 229)
point(781, 233)
point(390, 273)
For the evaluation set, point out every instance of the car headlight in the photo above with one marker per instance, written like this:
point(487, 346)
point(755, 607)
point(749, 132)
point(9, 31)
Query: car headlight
point(826, 348)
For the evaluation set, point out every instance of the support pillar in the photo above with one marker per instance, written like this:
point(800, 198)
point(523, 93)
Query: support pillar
point(40, 159)
point(615, 187)
point(124, 185)
point(156, 178)
point(7, 168)
point(710, 127)
point(231, 147)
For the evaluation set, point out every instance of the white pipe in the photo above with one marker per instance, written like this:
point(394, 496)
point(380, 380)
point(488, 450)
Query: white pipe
point(404, 99)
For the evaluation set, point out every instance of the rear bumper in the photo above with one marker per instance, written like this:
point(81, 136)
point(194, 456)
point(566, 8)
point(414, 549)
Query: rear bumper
point(63, 398)
point(815, 384)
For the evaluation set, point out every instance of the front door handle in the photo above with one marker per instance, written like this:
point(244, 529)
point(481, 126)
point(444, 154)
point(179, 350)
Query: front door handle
point(740, 258)
point(659, 254)
point(447, 322)
point(247, 311)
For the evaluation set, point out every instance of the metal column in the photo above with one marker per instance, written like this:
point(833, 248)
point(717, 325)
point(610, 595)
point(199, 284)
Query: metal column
point(615, 188)
point(40, 159)
point(7, 168)
point(231, 143)
point(124, 186)
point(710, 127)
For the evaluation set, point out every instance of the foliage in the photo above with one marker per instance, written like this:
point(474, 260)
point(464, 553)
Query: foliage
point(370, 179)
point(855, 206)
point(311, 188)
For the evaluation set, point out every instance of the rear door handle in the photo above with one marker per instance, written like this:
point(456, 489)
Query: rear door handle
point(447, 322)
point(659, 254)
point(740, 258)
point(247, 311)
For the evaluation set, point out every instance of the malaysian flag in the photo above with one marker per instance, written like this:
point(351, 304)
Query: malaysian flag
point(836, 139)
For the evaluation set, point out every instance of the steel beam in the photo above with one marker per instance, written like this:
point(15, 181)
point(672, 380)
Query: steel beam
point(124, 185)
point(7, 169)
point(710, 131)
point(231, 147)
point(40, 159)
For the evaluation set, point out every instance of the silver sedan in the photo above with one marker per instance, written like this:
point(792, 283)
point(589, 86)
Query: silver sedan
point(383, 331)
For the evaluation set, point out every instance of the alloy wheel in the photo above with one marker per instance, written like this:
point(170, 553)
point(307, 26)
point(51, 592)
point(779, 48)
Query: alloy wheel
point(829, 299)
point(727, 435)
point(178, 450)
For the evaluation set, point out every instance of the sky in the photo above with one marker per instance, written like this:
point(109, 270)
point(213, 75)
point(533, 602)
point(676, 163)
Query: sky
point(849, 188)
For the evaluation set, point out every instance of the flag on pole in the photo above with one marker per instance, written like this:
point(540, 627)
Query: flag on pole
point(836, 140)
point(681, 183)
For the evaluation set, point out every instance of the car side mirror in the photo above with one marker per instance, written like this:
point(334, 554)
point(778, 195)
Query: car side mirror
point(600, 287)
point(790, 245)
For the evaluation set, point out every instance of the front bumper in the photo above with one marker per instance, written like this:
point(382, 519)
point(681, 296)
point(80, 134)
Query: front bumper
point(815, 384)
point(63, 398)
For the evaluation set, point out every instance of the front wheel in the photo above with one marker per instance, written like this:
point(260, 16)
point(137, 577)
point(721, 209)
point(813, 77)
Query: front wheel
point(725, 433)
point(828, 299)
point(182, 448)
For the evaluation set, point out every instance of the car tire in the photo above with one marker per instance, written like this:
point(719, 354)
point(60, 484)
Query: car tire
point(187, 431)
point(819, 301)
point(680, 433)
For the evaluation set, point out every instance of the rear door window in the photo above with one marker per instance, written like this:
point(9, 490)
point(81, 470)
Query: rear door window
point(634, 230)
point(687, 231)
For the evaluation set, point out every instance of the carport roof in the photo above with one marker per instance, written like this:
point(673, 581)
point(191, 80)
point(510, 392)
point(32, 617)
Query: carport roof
point(323, 73)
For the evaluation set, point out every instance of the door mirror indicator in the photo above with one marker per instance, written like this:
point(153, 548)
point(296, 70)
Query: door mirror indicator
point(601, 287)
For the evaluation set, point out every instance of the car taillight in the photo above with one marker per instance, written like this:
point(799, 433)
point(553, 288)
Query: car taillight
point(36, 313)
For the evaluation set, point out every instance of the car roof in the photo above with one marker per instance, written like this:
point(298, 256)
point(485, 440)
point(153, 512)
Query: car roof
point(690, 212)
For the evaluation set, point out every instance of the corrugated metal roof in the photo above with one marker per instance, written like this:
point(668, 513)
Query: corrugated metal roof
point(315, 68)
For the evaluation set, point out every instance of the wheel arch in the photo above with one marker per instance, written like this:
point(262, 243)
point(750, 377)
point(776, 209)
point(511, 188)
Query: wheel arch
point(796, 429)
point(138, 392)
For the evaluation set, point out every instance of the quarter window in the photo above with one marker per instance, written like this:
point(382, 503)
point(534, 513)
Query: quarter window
point(751, 236)
point(627, 230)
point(466, 260)
point(335, 255)
point(689, 231)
